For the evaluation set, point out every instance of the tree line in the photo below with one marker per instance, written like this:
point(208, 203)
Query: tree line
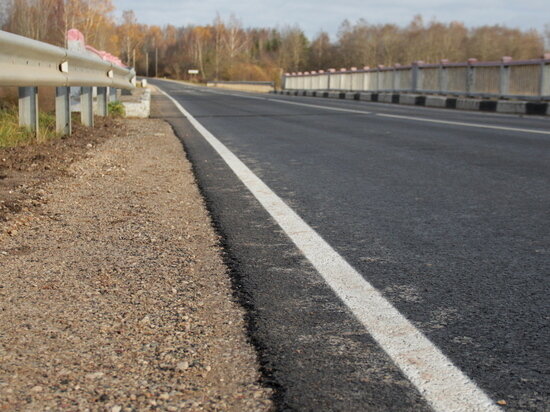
point(225, 50)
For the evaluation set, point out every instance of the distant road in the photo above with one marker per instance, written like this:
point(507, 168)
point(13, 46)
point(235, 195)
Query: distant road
point(432, 228)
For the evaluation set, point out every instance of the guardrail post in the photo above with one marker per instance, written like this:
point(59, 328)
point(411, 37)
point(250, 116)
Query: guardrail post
point(102, 101)
point(28, 108)
point(63, 110)
point(504, 83)
point(87, 106)
point(470, 77)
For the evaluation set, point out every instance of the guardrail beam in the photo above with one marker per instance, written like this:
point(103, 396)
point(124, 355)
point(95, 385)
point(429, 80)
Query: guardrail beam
point(87, 106)
point(28, 108)
point(63, 110)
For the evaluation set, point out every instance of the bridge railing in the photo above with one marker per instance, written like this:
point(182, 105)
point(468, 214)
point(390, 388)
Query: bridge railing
point(28, 64)
point(507, 78)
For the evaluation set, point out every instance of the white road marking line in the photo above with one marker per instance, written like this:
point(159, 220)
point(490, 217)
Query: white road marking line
point(319, 107)
point(483, 126)
point(441, 383)
point(397, 116)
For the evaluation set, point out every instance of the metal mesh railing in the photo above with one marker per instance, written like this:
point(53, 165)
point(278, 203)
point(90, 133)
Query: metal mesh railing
point(487, 80)
point(525, 80)
point(430, 79)
point(457, 79)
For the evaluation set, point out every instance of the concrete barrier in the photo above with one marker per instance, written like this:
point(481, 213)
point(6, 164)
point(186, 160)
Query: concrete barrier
point(140, 107)
point(409, 99)
point(436, 101)
point(467, 104)
point(504, 106)
point(385, 97)
point(366, 96)
point(463, 103)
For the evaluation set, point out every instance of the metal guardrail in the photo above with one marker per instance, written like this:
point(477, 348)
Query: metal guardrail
point(28, 63)
point(526, 79)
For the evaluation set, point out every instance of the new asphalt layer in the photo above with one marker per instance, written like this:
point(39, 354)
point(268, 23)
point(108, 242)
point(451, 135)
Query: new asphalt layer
point(445, 213)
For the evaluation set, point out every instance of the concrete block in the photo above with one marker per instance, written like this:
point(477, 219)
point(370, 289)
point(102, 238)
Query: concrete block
point(310, 93)
point(334, 95)
point(467, 104)
point(366, 96)
point(536, 108)
point(409, 99)
point(141, 109)
point(385, 97)
point(488, 105)
point(504, 106)
point(436, 101)
point(352, 96)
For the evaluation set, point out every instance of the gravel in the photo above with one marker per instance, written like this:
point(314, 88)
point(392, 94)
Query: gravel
point(113, 292)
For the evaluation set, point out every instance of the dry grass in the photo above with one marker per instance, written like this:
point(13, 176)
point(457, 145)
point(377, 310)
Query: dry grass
point(13, 135)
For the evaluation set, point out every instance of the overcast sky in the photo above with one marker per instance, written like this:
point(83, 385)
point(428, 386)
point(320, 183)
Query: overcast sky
point(315, 15)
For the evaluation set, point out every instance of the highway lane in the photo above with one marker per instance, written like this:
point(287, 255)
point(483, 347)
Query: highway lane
point(449, 222)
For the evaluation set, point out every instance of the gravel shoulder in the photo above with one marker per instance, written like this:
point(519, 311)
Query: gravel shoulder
point(113, 291)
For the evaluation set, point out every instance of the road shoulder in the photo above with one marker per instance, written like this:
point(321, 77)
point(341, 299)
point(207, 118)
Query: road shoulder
point(114, 292)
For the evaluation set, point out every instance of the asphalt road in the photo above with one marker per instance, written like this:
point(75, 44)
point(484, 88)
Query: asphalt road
point(446, 213)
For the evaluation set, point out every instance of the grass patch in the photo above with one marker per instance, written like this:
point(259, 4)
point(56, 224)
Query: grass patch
point(13, 135)
point(116, 109)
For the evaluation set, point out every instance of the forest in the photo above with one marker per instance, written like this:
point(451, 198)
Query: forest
point(225, 50)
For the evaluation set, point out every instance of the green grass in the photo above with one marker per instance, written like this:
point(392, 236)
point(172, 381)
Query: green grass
point(116, 109)
point(13, 135)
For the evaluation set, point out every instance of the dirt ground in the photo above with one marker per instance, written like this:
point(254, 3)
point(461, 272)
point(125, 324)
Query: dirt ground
point(113, 293)
point(24, 169)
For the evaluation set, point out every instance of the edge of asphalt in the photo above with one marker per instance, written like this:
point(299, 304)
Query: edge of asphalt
point(240, 295)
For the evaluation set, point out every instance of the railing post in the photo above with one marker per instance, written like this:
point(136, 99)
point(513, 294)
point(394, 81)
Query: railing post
point(443, 76)
point(102, 103)
point(63, 110)
point(504, 83)
point(416, 76)
point(87, 106)
point(366, 78)
point(378, 77)
point(470, 77)
point(543, 78)
point(330, 71)
point(28, 108)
